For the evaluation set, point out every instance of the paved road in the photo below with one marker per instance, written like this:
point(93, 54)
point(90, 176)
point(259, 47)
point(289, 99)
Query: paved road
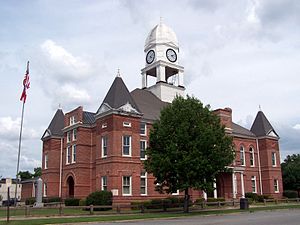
point(276, 217)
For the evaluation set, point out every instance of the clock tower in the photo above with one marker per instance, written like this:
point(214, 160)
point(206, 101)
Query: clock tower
point(162, 54)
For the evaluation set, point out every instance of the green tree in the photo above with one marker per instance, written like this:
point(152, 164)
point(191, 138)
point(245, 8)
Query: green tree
point(24, 175)
point(291, 173)
point(37, 172)
point(188, 148)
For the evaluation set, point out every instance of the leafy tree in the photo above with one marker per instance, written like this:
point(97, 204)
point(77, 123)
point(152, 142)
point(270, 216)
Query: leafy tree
point(37, 172)
point(188, 148)
point(24, 175)
point(291, 173)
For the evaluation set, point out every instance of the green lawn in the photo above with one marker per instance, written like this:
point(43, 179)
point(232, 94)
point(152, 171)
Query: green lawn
point(118, 217)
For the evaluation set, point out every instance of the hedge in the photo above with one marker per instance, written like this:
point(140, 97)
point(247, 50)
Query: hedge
point(290, 194)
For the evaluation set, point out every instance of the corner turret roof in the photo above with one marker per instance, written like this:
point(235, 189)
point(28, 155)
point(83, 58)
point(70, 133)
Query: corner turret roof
point(262, 127)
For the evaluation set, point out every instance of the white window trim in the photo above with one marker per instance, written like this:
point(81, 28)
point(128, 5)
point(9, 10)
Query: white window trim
point(130, 145)
point(72, 156)
point(45, 190)
point(73, 136)
point(46, 161)
point(146, 184)
point(275, 159)
point(130, 186)
point(102, 183)
point(145, 149)
point(253, 178)
point(68, 151)
point(277, 184)
point(145, 134)
point(176, 193)
point(104, 125)
point(253, 155)
point(244, 158)
point(126, 124)
point(102, 147)
point(72, 120)
point(68, 137)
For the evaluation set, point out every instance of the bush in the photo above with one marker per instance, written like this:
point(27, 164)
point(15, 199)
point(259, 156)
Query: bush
point(99, 198)
point(290, 194)
point(252, 196)
point(51, 199)
point(72, 201)
point(199, 200)
point(30, 201)
point(215, 199)
point(82, 202)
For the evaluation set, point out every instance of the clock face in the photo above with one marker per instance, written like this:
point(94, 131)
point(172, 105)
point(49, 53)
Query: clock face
point(171, 55)
point(150, 56)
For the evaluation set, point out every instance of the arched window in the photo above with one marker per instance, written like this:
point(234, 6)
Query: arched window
point(242, 155)
point(251, 150)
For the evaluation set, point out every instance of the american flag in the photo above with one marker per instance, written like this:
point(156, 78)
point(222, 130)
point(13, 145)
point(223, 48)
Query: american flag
point(26, 84)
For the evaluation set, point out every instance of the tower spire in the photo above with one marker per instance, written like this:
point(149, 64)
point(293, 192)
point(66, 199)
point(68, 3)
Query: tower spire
point(118, 73)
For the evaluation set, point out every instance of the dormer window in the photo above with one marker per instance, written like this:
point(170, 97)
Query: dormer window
point(126, 124)
point(72, 120)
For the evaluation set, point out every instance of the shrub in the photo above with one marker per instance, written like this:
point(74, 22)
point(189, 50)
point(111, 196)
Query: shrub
point(215, 199)
point(199, 200)
point(252, 196)
point(30, 201)
point(72, 201)
point(99, 198)
point(82, 202)
point(51, 199)
point(290, 194)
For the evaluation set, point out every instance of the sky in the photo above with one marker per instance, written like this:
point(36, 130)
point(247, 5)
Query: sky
point(238, 54)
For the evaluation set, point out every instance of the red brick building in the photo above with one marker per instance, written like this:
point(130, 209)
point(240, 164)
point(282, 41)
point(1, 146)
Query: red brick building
point(86, 151)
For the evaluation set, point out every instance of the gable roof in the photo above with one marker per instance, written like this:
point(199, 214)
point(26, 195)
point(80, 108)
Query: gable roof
point(118, 95)
point(56, 125)
point(262, 127)
point(88, 117)
point(149, 104)
point(239, 130)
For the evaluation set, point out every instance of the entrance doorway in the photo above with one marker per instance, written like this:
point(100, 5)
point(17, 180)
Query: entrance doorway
point(70, 183)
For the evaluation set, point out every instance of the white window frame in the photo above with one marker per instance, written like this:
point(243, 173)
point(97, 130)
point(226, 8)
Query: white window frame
point(253, 181)
point(145, 129)
point(68, 136)
point(104, 140)
point(104, 125)
point(45, 190)
point(74, 152)
point(74, 134)
point(104, 183)
point(130, 186)
point(129, 155)
point(273, 156)
point(68, 155)
point(242, 152)
point(276, 186)
point(143, 176)
point(144, 141)
point(126, 124)
point(252, 155)
point(46, 161)
point(72, 120)
point(175, 193)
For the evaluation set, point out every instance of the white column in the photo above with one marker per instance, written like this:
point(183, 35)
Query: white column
point(161, 73)
point(204, 195)
point(233, 185)
point(215, 190)
point(144, 80)
point(180, 79)
point(242, 184)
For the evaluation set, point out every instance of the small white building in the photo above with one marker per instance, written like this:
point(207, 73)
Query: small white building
point(11, 183)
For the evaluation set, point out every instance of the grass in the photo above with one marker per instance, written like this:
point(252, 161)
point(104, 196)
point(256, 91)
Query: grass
point(117, 217)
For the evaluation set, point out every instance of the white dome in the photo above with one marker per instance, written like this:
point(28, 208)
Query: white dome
point(161, 34)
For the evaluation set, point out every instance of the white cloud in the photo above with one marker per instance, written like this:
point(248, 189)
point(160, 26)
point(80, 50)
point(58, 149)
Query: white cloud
point(252, 16)
point(297, 127)
point(69, 94)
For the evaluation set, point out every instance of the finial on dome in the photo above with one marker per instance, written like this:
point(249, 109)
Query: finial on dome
point(161, 20)
point(259, 107)
point(59, 106)
point(118, 73)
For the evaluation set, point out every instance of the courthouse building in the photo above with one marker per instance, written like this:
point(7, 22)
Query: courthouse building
point(104, 150)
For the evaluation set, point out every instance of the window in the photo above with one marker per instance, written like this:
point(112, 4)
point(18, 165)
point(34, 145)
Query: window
point(251, 150)
point(276, 188)
point(68, 155)
point(126, 124)
point(74, 134)
point(274, 159)
point(104, 183)
point(126, 145)
point(104, 125)
point(45, 189)
point(104, 146)
point(72, 120)
point(143, 144)
point(253, 184)
point(74, 154)
point(143, 183)
point(68, 136)
point(143, 129)
point(126, 185)
point(46, 161)
point(242, 155)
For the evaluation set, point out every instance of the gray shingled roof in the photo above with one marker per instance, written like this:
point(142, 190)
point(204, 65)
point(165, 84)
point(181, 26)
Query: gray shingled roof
point(118, 95)
point(57, 124)
point(261, 126)
point(88, 117)
point(148, 103)
point(239, 130)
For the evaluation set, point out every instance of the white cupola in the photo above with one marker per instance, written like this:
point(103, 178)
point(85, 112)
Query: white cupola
point(162, 54)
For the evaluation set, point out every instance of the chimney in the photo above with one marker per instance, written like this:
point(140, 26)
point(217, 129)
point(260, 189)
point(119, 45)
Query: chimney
point(225, 118)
